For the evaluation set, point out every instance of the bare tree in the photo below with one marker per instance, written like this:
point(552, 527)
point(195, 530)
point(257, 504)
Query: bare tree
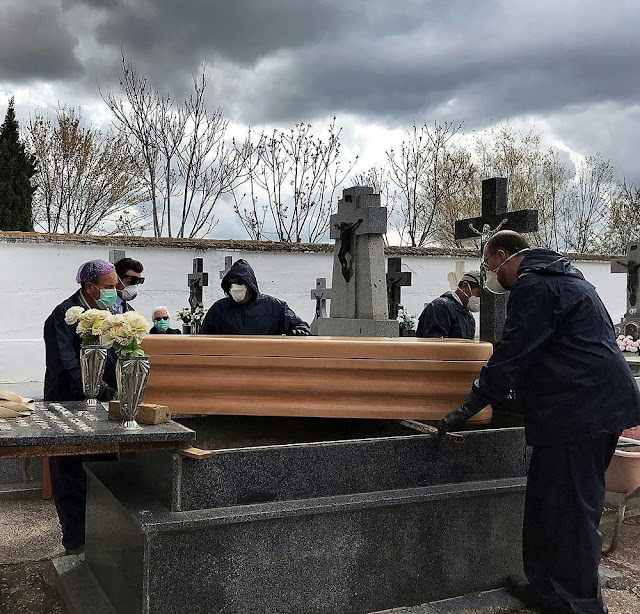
point(296, 174)
point(84, 175)
point(428, 171)
point(624, 219)
point(183, 151)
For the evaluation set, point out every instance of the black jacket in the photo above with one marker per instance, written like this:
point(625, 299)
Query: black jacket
point(446, 317)
point(169, 331)
point(558, 353)
point(264, 315)
point(62, 378)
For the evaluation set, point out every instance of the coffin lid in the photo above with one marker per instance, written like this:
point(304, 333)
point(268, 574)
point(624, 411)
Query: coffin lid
point(405, 348)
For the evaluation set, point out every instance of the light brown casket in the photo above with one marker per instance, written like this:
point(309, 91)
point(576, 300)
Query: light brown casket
point(347, 377)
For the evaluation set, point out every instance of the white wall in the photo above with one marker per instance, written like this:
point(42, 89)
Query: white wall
point(36, 276)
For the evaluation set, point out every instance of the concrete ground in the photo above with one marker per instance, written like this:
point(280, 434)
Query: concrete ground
point(30, 539)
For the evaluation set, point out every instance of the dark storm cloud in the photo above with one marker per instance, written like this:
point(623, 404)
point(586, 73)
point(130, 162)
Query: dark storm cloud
point(35, 43)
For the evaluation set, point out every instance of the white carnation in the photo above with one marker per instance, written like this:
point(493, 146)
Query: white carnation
point(73, 314)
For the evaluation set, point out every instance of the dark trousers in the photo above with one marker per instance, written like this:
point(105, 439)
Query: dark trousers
point(561, 542)
point(69, 485)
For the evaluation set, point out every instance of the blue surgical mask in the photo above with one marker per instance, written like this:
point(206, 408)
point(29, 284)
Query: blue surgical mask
point(161, 324)
point(107, 297)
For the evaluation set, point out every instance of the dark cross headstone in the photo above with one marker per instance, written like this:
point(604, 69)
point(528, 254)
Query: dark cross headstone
point(396, 279)
point(493, 307)
point(197, 280)
point(320, 294)
point(115, 255)
point(228, 262)
point(630, 323)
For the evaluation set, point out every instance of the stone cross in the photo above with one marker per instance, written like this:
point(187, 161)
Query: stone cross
point(358, 289)
point(321, 294)
point(631, 266)
point(494, 217)
point(396, 279)
point(115, 255)
point(228, 262)
point(197, 280)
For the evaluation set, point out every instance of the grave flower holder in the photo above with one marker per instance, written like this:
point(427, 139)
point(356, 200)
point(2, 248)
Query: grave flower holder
point(132, 373)
point(92, 362)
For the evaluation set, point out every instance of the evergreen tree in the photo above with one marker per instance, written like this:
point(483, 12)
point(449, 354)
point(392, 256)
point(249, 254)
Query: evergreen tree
point(17, 167)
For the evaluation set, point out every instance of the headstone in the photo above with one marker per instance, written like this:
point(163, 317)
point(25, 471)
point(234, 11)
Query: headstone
point(359, 291)
point(115, 255)
point(454, 277)
point(493, 307)
point(228, 262)
point(197, 280)
point(396, 279)
point(320, 294)
point(630, 323)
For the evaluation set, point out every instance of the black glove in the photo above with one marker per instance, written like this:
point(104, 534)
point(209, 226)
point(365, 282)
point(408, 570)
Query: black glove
point(470, 407)
point(300, 331)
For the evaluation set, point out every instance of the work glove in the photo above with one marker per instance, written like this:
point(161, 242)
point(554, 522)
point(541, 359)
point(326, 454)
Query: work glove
point(470, 407)
point(300, 331)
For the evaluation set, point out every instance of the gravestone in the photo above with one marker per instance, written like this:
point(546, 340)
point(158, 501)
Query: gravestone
point(396, 279)
point(630, 323)
point(197, 281)
point(115, 255)
point(493, 307)
point(321, 294)
point(359, 291)
point(228, 262)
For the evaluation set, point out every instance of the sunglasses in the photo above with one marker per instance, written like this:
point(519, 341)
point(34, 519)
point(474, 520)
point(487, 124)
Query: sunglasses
point(161, 318)
point(135, 280)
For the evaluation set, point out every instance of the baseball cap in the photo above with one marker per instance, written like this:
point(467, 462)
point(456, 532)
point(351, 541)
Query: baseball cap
point(473, 277)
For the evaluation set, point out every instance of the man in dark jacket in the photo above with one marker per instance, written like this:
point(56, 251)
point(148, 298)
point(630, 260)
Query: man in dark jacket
point(63, 382)
point(559, 355)
point(245, 311)
point(449, 315)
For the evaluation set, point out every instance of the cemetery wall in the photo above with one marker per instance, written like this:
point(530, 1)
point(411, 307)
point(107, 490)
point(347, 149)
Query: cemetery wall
point(37, 272)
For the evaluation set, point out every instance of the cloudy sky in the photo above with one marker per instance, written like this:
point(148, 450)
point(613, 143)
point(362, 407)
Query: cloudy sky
point(567, 68)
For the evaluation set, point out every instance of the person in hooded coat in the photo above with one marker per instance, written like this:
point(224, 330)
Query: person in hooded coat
point(449, 315)
point(559, 355)
point(245, 311)
point(63, 382)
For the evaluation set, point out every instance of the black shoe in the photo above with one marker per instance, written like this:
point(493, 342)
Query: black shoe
point(75, 551)
point(522, 590)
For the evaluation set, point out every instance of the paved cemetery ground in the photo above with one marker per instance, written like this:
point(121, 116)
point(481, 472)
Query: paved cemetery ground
point(29, 539)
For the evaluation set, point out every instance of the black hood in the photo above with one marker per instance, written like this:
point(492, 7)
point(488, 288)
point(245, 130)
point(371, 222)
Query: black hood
point(242, 270)
point(547, 262)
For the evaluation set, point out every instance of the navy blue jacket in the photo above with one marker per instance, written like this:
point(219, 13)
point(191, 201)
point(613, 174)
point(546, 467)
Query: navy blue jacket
point(62, 378)
point(558, 353)
point(264, 315)
point(446, 317)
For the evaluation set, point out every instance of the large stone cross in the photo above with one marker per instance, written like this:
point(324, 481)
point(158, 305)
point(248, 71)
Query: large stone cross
point(396, 279)
point(493, 307)
point(197, 280)
point(115, 255)
point(321, 294)
point(228, 262)
point(631, 266)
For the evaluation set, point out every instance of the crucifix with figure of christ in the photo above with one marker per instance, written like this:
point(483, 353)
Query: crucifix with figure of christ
point(493, 307)
point(396, 279)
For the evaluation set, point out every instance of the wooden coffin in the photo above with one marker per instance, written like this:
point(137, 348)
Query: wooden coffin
point(347, 377)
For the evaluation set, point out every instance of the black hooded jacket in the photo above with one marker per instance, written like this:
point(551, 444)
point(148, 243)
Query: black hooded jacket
point(446, 317)
point(558, 353)
point(264, 315)
point(62, 378)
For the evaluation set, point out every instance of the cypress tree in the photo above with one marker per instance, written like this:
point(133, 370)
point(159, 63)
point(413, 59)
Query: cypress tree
point(17, 167)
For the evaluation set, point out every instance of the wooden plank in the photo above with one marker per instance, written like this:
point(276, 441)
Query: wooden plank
point(196, 453)
point(428, 429)
point(149, 413)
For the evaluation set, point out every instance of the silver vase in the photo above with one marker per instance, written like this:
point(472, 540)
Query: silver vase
point(132, 373)
point(92, 361)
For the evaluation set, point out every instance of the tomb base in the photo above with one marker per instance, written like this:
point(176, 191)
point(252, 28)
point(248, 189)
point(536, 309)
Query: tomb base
point(352, 327)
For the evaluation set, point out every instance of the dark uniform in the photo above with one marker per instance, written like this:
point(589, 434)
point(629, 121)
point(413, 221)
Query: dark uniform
point(264, 315)
point(446, 317)
point(558, 353)
point(63, 382)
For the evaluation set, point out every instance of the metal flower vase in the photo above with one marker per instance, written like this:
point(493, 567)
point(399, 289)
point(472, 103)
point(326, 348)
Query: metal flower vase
point(92, 362)
point(132, 373)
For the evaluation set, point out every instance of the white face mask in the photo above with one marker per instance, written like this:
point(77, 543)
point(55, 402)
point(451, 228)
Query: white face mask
point(128, 293)
point(238, 292)
point(491, 282)
point(473, 304)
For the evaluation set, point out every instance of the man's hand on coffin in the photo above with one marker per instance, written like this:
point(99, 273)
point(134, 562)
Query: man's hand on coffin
point(470, 407)
point(300, 331)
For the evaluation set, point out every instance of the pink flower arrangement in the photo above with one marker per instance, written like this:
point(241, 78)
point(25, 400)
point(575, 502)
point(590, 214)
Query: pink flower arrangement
point(627, 344)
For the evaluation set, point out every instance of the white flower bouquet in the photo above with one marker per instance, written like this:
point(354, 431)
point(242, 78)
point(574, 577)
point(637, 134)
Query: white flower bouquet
point(89, 323)
point(406, 320)
point(628, 344)
point(191, 316)
point(124, 333)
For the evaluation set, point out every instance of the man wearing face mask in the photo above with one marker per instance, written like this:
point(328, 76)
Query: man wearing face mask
point(449, 315)
point(559, 355)
point(246, 311)
point(129, 280)
point(63, 382)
